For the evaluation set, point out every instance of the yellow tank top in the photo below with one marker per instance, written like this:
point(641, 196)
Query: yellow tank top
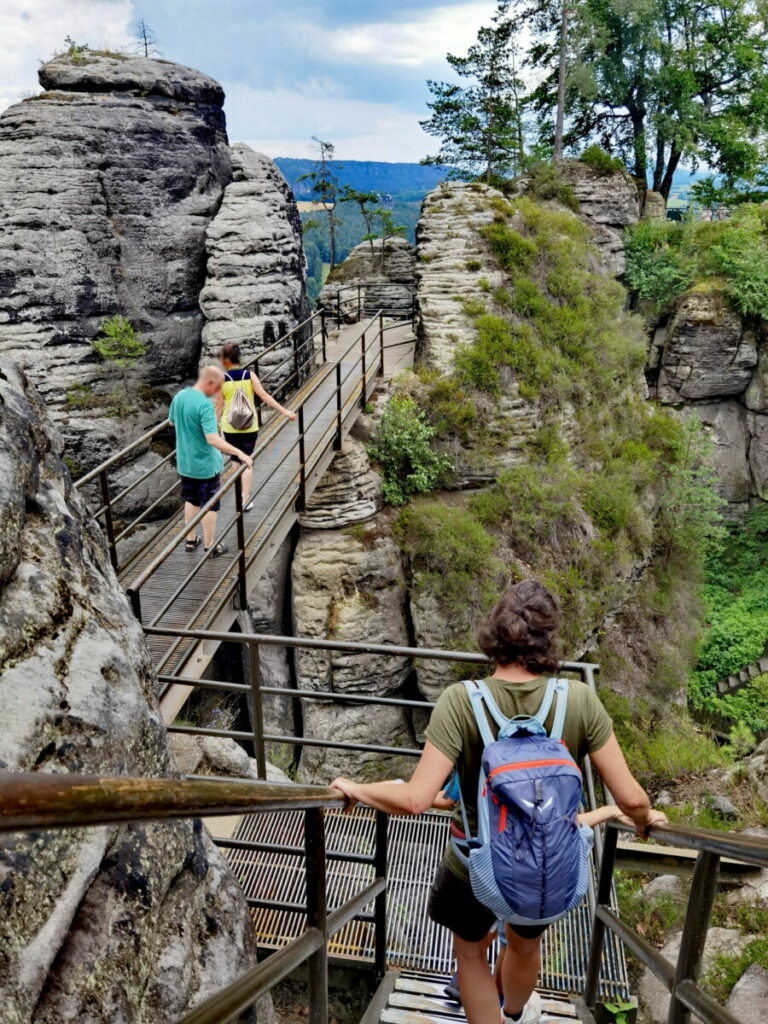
point(228, 389)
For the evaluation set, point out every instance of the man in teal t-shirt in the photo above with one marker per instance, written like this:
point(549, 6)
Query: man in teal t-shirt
point(198, 453)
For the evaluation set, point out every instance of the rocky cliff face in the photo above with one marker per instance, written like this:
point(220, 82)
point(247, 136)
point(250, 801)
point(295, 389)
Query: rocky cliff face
point(610, 203)
point(383, 269)
point(108, 180)
point(705, 357)
point(254, 290)
point(126, 925)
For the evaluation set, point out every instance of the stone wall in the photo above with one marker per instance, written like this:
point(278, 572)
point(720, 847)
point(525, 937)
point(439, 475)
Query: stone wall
point(255, 289)
point(108, 925)
point(108, 180)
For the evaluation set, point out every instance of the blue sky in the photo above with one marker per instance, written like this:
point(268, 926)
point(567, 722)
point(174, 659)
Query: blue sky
point(352, 72)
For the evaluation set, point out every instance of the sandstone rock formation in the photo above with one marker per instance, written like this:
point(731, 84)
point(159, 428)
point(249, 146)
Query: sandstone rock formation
point(108, 180)
point(126, 925)
point(707, 358)
point(384, 270)
point(254, 290)
point(610, 202)
point(350, 585)
point(348, 493)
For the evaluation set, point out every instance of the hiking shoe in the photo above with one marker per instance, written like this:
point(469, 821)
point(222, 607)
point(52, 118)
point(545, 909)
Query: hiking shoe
point(218, 550)
point(452, 989)
point(531, 1012)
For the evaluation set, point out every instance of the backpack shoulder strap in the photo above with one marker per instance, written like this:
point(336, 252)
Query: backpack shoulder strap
point(546, 705)
point(477, 701)
point(562, 687)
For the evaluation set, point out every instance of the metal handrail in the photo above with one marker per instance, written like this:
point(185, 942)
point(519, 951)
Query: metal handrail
point(138, 582)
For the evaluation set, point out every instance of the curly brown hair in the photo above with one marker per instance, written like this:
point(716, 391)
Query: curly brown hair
point(522, 628)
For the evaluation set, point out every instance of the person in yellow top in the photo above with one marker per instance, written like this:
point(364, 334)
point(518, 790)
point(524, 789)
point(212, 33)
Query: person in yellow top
point(236, 378)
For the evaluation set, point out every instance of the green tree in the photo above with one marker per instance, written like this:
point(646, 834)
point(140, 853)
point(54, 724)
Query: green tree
point(325, 189)
point(656, 81)
point(387, 229)
point(480, 125)
point(367, 203)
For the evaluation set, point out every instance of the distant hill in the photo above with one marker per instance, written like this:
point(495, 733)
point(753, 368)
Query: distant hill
point(366, 176)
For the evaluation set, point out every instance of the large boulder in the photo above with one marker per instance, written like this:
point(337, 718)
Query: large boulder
point(749, 999)
point(121, 924)
point(350, 585)
point(654, 995)
point(726, 424)
point(385, 271)
point(709, 350)
point(108, 180)
point(254, 289)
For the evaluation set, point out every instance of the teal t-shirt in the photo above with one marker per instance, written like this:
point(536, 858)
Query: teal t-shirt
point(193, 416)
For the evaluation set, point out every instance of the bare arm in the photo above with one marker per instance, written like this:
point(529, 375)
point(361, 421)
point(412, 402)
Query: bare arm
point(259, 391)
point(412, 797)
point(216, 441)
point(625, 789)
point(608, 813)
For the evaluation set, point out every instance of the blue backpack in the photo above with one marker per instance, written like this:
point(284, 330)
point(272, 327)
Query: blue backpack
point(529, 860)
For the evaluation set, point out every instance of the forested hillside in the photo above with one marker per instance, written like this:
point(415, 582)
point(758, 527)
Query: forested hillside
point(366, 176)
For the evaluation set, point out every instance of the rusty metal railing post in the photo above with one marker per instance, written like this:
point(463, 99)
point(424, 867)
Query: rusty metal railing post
point(324, 334)
point(700, 903)
point(380, 904)
point(607, 863)
point(359, 302)
point(317, 914)
point(296, 364)
point(257, 708)
point(363, 386)
point(381, 343)
point(339, 438)
point(109, 524)
point(302, 462)
point(242, 566)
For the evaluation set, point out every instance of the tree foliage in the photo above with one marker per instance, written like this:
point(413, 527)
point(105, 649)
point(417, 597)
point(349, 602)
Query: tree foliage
point(402, 448)
point(118, 342)
point(657, 81)
point(480, 124)
point(325, 189)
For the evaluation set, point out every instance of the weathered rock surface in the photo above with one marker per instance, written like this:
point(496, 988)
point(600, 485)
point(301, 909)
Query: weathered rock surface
point(348, 493)
point(447, 241)
point(749, 999)
point(610, 202)
point(709, 351)
point(654, 206)
point(385, 272)
point(126, 925)
point(653, 993)
point(217, 755)
point(254, 290)
point(726, 424)
point(350, 587)
point(108, 180)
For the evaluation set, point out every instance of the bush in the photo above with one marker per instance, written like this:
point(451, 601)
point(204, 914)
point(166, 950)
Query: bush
point(450, 553)
point(545, 183)
point(402, 448)
point(117, 341)
point(601, 161)
point(728, 968)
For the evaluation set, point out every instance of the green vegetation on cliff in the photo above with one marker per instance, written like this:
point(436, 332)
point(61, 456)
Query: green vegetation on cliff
point(589, 502)
point(736, 598)
point(665, 259)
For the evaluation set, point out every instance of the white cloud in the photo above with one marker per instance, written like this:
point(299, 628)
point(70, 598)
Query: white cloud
point(31, 31)
point(281, 122)
point(414, 40)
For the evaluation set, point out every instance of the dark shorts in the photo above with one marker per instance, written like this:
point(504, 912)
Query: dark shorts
point(199, 492)
point(453, 905)
point(243, 442)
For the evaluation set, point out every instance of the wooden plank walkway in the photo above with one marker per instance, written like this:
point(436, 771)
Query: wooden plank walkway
point(207, 600)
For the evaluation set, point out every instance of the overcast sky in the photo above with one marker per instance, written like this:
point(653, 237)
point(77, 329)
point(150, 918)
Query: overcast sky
point(350, 71)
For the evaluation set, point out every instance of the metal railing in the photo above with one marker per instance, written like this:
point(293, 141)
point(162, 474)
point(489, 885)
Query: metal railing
point(350, 300)
point(351, 376)
point(307, 342)
point(33, 801)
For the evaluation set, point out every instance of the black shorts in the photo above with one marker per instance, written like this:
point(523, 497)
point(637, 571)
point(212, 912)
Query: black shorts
point(243, 442)
point(453, 905)
point(199, 492)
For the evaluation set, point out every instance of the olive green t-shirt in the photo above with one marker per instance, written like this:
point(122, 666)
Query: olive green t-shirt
point(453, 730)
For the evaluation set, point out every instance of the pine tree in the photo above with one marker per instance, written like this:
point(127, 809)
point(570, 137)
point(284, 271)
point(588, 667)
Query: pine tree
point(325, 189)
point(480, 124)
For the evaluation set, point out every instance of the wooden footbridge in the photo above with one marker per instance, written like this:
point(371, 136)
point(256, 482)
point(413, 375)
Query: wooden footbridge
point(322, 883)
